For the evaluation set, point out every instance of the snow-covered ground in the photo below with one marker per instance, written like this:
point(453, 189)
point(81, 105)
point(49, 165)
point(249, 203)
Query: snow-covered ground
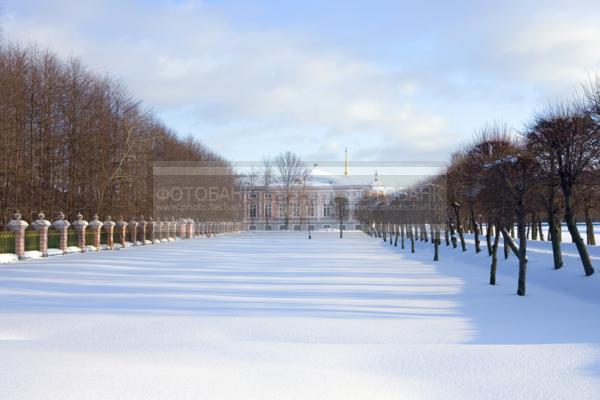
point(277, 316)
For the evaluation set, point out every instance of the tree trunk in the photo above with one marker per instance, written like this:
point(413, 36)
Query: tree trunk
point(553, 228)
point(505, 245)
point(412, 240)
point(460, 229)
point(522, 250)
point(511, 244)
point(402, 236)
point(581, 248)
point(391, 233)
point(397, 230)
point(488, 239)
point(494, 265)
point(475, 227)
point(540, 229)
point(436, 244)
point(589, 228)
point(452, 234)
point(534, 227)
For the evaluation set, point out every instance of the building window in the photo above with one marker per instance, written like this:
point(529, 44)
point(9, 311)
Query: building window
point(281, 210)
point(311, 227)
point(296, 227)
point(268, 210)
point(311, 210)
point(252, 227)
point(282, 228)
point(267, 196)
point(326, 226)
point(295, 209)
point(327, 210)
point(358, 227)
point(253, 209)
point(268, 227)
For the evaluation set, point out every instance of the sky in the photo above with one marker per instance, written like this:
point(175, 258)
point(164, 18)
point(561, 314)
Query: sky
point(389, 80)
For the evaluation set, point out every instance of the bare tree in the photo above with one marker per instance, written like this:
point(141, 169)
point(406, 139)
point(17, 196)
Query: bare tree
point(267, 180)
point(291, 170)
point(341, 207)
point(572, 136)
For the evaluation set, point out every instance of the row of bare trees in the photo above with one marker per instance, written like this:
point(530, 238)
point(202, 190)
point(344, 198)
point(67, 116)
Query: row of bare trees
point(549, 173)
point(76, 141)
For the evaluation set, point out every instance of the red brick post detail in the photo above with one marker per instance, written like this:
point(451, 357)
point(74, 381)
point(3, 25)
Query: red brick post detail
point(133, 231)
point(18, 226)
point(79, 225)
point(41, 225)
point(122, 228)
point(96, 227)
point(109, 228)
point(62, 225)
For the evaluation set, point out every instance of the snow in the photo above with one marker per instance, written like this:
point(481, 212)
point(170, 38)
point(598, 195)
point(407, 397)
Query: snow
point(32, 254)
point(273, 315)
point(6, 258)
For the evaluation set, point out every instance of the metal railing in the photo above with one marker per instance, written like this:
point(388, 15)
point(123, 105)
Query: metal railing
point(7, 242)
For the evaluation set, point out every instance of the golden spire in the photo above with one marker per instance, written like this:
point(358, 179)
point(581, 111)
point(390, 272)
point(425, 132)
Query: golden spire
point(346, 161)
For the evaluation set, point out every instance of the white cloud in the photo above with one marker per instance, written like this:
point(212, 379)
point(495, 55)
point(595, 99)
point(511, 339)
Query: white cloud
point(184, 58)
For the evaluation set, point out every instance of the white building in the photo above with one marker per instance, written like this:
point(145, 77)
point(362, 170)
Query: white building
point(310, 204)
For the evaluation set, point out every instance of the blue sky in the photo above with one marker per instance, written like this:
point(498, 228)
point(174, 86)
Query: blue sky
point(391, 80)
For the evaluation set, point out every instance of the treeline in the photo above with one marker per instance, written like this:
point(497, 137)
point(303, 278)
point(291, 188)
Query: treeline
point(508, 184)
point(76, 141)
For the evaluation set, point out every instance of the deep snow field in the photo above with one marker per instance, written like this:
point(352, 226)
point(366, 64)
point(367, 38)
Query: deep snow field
point(277, 316)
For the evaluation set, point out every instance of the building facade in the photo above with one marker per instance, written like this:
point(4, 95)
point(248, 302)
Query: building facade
point(308, 205)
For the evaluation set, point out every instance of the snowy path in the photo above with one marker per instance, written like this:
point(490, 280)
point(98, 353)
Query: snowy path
point(268, 316)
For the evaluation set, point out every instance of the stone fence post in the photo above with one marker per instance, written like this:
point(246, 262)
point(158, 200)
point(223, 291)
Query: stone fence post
point(142, 229)
point(18, 226)
point(62, 225)
point(133, 231)
point(158, 229)
point(181, 227)
point(80, 224)
point(41, 225)
point(96, 227)
point(152, 230)
point(173, 228)
point(122, 229)
point(189, 228)
point(109, 228)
